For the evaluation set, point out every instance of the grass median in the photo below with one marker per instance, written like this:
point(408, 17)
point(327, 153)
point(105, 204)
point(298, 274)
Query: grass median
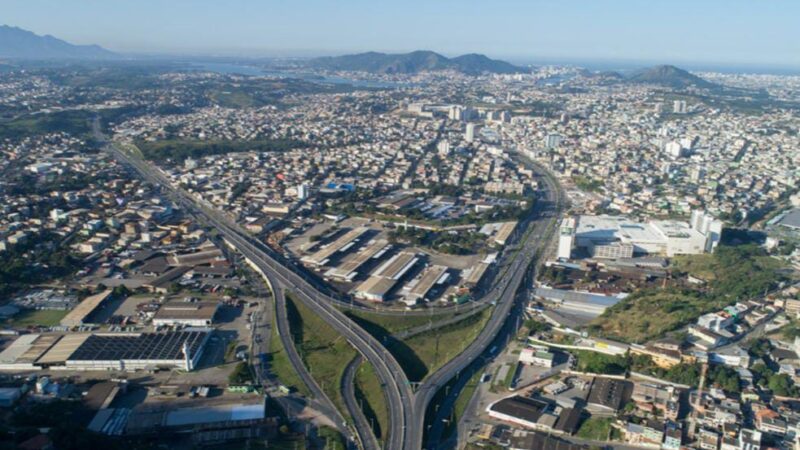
point(373, 402)
point(324, 351)
point(281, 367)
point(397, 323)
point(424, 353)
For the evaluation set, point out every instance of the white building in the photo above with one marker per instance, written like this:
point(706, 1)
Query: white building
point(552, 141)
point(456, 112)
point(566, 238)
point(619, 237)
point(715, 321)
point(679, 106)
point(676, 149)
point(536, 357)
point(706, 224)
point(469, 134)
point(302, 191)
point(443, 147)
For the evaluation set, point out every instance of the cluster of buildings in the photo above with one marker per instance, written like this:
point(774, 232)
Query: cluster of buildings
point(444, 148)
point(614, 237)
point(343, 149)
point(652, 410)
point(117, 236)
point(362, 259)
point(729, 163)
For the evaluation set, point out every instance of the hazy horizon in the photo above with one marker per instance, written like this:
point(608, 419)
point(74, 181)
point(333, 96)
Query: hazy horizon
point(714, 34)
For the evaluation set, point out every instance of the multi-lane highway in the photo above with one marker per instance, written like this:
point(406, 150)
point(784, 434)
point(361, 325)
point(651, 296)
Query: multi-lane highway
point(547, 213)
point(396, 386)
point(285, 334)
point(406, 409)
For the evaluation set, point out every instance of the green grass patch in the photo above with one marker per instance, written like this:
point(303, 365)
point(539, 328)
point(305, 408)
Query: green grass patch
point(594, 362)
point(700, 266)
point(324, 351)
point(370, 392)
point(466, 395)
point(76, 123)
point(232, 99)
point(732, 273)
point(587, 184)
point(281, 367)
point(436, 347)
point(34, 317)
point(425, 352)
point(510, 375)
point(230, 349)
point(333, 439)
point(595, 428)
point(397, 323)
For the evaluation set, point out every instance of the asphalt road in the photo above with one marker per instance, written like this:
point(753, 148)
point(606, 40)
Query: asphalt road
point(368, 440)
point(547, 213)
point(282, 324)
point(406, 409)
point(391, 375)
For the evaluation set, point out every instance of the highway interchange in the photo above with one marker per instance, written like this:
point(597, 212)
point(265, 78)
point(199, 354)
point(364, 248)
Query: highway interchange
point(406, 408)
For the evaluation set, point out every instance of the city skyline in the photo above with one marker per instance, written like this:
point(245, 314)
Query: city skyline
point(608, 34)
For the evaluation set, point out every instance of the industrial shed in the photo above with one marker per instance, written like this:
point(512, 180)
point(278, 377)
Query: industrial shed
point(107, 351)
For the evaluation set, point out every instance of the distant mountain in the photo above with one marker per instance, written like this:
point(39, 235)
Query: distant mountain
point(414, 62)
point(670, 76)
point(611, 75)
point(22, 44)
point(474, 62)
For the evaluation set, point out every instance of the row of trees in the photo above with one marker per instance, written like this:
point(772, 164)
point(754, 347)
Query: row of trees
point(178, 150)
point(719, 376)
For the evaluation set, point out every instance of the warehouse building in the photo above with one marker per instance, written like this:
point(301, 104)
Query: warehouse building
point(186, 313)
point(522, 411)
point(499, 232)
point(608, 394)
point(81, 313)
point(204, 256)
point(342, 244)
point(585, 304)
point(208, 424)
point(536, 414)
point(383, 280)
point(419, 288)
point(107, 351)
point(473, 276)
point(23, 353)
point(349, 269)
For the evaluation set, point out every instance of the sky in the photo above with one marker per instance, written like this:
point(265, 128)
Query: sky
point(734, 32)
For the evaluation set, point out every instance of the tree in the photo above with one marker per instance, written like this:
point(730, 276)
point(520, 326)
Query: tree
point(536, 326)
point(781, 384)
point(759, 348)
point(725, 378)
point(762, 373)
point(121, 291)
point(240, 374)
